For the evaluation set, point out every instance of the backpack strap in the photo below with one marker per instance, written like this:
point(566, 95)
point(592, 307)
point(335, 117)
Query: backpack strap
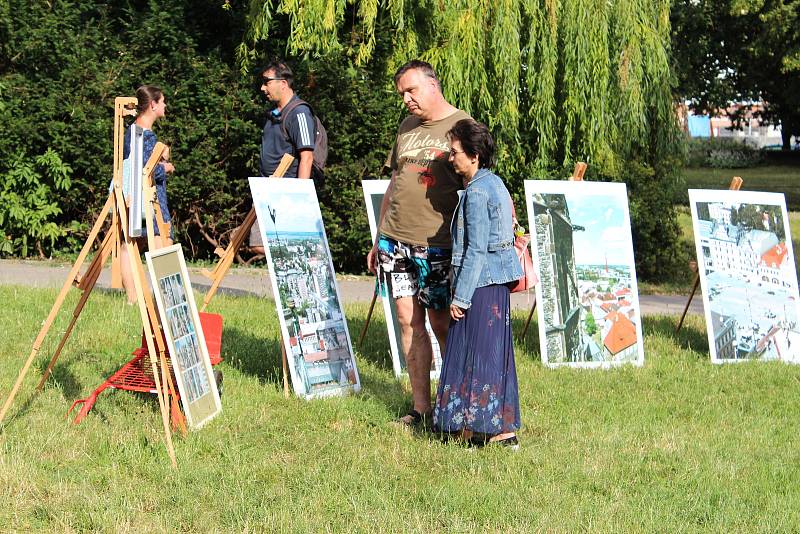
point(289, 108)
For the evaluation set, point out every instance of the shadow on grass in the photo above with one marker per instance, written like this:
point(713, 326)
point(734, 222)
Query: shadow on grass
point(375, 348)
point(61, 377)
point(253, 355)
point(688, 338)
point(530, 342)
point(382, 386)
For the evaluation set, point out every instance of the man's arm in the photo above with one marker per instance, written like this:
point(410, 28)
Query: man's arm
point(304, 166)
point(372, 256)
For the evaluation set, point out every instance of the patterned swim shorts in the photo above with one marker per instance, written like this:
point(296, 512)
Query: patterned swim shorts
point(410, 270)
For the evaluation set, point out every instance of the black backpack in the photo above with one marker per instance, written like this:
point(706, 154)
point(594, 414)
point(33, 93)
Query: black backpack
point(320, 142)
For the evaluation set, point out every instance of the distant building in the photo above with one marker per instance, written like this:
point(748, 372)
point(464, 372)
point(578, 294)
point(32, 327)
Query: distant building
point(775, 268)
point(737, 252)
point(754, 132)
point(724, 328)
point(619, 337)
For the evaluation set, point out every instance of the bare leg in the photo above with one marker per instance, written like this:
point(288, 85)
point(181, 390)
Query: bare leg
point(440, 323)
point(127, 275)
point(417, 348)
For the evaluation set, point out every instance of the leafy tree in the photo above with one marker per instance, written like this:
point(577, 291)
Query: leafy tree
point(557, 82)
point(739, 50)
point(61, 65)
point(591, 325)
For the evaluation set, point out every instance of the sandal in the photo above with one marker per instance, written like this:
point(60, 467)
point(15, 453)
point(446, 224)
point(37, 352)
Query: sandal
point(512, 443)
point(413, 418)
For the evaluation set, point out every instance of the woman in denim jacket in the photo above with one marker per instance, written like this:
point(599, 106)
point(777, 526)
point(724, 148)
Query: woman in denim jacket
point(477, 396)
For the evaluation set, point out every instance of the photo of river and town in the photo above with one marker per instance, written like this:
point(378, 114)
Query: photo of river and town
point(311, 316)
point(589, 306)
point(748, 275)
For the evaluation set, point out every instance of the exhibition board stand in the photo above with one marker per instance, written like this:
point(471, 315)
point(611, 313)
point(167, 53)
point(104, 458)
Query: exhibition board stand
point(229, 254)
point(117, 236)
point(577, 176)
point(736, 184)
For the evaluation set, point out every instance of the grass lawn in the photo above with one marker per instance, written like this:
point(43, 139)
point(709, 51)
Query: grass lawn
point(679, 444)
point(771, 178)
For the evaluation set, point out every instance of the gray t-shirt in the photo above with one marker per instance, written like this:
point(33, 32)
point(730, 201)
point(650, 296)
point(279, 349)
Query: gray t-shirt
point(425, 193)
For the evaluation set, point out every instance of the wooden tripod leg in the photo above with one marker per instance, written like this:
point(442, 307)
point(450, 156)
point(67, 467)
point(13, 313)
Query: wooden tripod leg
point(688, 302)
point(528, 322)
point(136, 265)
point(369, 317)
point(285, 370)
point(87, 284)
point(230, 253)
point(227, 258)
point(145, 309)
point(71, 277)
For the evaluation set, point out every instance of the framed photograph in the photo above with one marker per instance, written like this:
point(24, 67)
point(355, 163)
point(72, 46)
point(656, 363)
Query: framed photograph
point(184, 335)
point(748, 275)
point(588, 311)
point(312, 321)
point(373, 196)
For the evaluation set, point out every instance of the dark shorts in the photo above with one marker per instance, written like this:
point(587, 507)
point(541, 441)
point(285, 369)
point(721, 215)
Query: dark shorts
point(409, 270)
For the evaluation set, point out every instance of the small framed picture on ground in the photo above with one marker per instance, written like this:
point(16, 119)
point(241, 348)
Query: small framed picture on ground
point(184, 335)
point(748, 275)
point(589, 314)
point(313, 325)
point(373, 197)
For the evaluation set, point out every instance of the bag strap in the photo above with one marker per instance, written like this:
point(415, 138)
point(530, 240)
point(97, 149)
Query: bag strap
point(294, 103)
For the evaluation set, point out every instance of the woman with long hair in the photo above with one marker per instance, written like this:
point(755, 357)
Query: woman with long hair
point(151, 106)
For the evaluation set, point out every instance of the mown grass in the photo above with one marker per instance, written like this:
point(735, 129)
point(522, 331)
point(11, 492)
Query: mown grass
point(677, 445)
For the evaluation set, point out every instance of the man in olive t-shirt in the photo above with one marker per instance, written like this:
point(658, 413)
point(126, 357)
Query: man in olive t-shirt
point(413, 248)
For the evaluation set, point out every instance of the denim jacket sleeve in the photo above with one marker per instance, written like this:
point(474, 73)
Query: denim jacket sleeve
point(476, 204)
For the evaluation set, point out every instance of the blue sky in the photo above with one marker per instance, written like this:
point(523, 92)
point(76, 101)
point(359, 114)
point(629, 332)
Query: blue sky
point(295, 212)
point(606, 234)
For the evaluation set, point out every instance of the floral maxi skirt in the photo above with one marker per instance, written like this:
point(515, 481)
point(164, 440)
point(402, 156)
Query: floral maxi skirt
point(478, 383)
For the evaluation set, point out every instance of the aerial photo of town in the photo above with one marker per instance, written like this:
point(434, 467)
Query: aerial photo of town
point(320, 356)
point(589, 313)
point(748, 274)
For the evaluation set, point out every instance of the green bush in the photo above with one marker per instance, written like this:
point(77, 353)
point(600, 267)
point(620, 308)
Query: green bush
point(721, 153)
point(30, 190)
point(62, 63)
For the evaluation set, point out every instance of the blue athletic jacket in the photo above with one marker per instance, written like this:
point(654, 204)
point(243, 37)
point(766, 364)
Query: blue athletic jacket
point(483, 238)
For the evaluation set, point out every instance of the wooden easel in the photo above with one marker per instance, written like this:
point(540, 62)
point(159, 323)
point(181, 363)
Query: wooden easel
point(229, 254)
point(577, 176)
point(736, 184)
point(116, 237)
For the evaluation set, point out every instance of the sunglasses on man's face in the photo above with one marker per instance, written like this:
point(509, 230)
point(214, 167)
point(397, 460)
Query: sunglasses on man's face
point(267, 79)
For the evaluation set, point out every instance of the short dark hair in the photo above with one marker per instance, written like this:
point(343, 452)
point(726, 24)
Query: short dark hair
point(281, 70)
point(475, 139)
point(146, 94)
point(423, 66)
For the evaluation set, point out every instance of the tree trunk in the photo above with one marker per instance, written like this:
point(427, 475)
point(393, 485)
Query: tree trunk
point(786, 135)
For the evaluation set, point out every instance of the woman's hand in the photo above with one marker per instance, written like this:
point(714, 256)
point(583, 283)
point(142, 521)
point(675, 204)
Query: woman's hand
point(168, 167)
point(456, 312)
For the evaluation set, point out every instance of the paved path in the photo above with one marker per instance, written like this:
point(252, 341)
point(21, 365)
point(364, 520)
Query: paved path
point(249, 281)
